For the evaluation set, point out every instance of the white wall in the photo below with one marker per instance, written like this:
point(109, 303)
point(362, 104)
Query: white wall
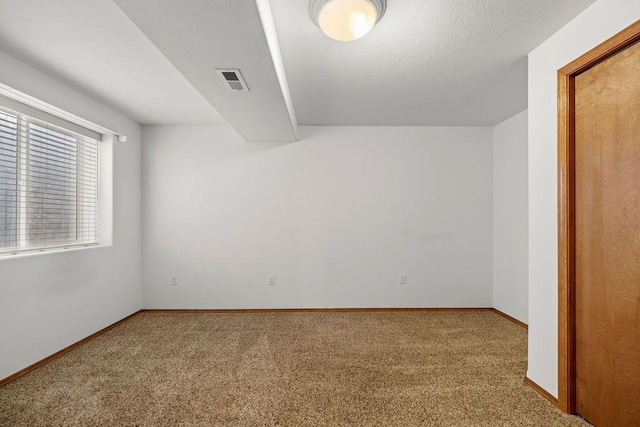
point(335, 216)
point(50, 301)
point(510, 212)
point(599, 22)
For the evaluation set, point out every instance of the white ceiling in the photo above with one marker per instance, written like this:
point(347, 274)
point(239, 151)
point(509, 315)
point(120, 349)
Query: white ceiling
point(199, 36)
point(93, 46)
point(427, 62)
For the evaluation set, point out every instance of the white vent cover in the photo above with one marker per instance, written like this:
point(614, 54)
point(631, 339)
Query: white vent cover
point(232, 79)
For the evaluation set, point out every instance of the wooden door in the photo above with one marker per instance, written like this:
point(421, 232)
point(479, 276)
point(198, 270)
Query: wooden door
point(607, 240)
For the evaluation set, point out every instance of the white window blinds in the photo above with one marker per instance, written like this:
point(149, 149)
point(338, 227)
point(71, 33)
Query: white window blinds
point(48, 185)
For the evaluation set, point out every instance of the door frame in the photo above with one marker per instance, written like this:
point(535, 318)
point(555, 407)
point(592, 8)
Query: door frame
point(566, 208)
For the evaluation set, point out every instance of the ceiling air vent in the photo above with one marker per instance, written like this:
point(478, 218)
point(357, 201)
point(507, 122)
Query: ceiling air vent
point(232, 79)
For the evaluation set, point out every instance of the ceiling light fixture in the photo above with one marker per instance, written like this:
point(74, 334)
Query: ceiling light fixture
point(346, 20)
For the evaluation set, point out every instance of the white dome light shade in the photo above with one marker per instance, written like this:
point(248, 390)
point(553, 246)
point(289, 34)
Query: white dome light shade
point(346, 20)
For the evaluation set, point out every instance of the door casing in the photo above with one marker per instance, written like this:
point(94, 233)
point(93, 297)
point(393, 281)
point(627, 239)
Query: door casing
point(566, 208)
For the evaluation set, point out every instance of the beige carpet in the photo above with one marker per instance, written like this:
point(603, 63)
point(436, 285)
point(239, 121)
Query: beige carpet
point(293, 369)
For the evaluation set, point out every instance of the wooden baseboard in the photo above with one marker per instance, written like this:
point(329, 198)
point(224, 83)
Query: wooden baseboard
point(513, 319)
point(48, 359)
point(541, 391)
point(295, 310)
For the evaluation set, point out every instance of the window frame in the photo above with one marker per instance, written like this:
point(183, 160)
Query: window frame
point(23, 140)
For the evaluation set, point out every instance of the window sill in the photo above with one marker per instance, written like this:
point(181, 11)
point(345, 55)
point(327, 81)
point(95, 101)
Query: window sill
point(38, 252)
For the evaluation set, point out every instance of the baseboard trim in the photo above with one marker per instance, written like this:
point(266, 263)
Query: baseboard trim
point(294, 310)
point(48, 359)
point(513, 319)
point(544, 393)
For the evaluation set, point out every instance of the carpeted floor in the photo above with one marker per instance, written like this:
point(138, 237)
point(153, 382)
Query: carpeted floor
point(293, 369)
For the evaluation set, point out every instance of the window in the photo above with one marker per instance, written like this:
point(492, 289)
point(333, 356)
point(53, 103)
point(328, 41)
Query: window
point(48, 185)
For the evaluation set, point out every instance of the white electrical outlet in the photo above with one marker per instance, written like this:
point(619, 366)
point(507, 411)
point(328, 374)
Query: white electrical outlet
point(272, 279)
point(174, 280)
point(403, 279)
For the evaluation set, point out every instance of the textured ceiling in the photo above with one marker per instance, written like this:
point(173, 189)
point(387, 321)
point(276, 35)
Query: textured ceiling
point(94, 47)
point(427, 62)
